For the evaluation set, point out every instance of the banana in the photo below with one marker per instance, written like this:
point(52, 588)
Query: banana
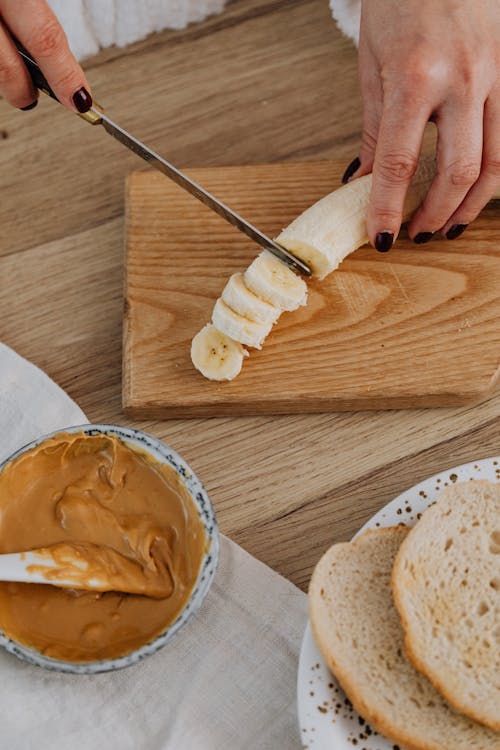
point(239, 328)
point(216, 355)
point(335, 226)
point(272, 281)
point(239, 298)
point(322, 236)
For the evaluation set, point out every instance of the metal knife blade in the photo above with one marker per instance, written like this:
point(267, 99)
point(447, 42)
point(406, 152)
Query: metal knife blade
point(97, 117)
point(203, 195)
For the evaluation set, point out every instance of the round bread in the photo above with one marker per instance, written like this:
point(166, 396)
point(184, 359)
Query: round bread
point(446, 585)
point(359, 634)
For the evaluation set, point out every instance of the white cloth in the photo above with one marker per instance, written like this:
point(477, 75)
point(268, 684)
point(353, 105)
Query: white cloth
point(226, 682)
point(95, 24)
point(347, 13)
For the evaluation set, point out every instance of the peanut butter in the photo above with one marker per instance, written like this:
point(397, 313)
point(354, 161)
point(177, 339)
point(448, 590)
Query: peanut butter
point(101, 501)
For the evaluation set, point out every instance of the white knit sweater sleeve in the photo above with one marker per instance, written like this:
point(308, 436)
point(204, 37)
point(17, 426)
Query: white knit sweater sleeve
point(347, 13)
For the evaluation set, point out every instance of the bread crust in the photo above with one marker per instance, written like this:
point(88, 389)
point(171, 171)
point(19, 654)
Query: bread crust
point(492, 722)
point(348, 682)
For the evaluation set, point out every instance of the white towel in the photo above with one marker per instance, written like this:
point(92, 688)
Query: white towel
point(94, 24)
point(347, 13)
point(101, 16)
point(76, 23)
point(227, 680)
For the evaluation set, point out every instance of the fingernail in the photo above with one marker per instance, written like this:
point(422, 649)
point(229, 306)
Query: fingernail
point(422, 237)
point(82, 100)
point(384, 241)
point(455, 231)
point(30, 106)
point(353, 167)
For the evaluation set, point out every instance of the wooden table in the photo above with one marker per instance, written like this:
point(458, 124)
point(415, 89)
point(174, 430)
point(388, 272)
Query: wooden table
point(269, 80)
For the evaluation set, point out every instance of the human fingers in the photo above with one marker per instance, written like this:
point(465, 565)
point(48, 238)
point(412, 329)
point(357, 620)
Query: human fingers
point(488, 184)
point(371, 94)
point(15, 82)
point(396, 158)
point(38, 29)
point(459, 150)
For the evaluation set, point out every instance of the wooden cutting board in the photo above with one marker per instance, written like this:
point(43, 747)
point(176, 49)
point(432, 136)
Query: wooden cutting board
point(416, 327)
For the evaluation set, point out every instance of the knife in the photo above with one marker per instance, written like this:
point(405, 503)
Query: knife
point(96, 116)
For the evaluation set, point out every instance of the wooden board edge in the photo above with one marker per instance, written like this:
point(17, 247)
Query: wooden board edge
point(242, 409)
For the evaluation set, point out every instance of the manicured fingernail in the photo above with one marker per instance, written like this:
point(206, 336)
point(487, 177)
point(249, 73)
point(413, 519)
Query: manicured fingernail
point(455, 231)
point(422, 237)
point(353, 167)
point(30, 106)
point(82, 100)
point(384, 241)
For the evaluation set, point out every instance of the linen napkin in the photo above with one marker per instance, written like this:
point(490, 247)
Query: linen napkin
point(226, 681)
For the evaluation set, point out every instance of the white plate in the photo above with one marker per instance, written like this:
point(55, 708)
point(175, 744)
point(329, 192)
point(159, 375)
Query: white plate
point(327, 720)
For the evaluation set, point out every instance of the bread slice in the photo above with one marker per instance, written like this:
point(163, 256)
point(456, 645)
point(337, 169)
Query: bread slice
point(446, 585)
point(359, 633)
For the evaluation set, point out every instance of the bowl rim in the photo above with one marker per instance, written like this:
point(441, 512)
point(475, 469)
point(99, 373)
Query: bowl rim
point(163, 453)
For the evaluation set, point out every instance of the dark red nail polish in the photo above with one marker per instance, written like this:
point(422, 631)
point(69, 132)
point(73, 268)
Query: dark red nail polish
point(82, 100)
point(384, 241)
point(455, 231)
point(422, 237)
point(353, 167)
point(30, 106)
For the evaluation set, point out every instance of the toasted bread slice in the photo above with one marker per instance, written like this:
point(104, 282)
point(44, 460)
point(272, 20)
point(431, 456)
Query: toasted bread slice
point(359, 633)
point(446, 586)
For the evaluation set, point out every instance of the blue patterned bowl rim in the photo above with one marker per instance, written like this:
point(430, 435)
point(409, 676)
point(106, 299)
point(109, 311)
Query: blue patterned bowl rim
point(162, 453)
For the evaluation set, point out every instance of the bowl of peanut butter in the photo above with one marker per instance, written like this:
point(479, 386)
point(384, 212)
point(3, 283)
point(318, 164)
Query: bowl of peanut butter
point(123, 502)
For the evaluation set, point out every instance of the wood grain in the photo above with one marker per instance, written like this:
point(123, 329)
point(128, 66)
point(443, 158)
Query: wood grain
point(411, 328)
point(215, 93)
point(284, 487)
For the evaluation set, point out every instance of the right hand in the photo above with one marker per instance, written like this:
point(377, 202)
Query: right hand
point(34, 24)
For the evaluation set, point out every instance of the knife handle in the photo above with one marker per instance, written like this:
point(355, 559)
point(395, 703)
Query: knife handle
point(38, 78)
point(41, 83)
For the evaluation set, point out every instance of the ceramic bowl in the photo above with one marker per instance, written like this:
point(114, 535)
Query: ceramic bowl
point(163, 454)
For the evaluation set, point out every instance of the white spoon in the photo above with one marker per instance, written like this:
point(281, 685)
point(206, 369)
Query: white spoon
point(83, 566)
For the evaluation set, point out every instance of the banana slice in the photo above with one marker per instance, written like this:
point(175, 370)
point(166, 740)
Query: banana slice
point(270, 279)
point(239, 298)
point(216, 355)
point(238, 327)
point(336, 225)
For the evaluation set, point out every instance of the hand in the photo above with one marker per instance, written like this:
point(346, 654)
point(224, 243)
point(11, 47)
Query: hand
point(34, 24)
point(426, 60)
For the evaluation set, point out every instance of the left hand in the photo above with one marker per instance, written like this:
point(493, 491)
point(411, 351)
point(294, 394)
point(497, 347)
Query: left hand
point(433, 60)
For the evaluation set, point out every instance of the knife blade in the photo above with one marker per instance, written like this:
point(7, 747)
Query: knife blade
point(220, 208)
point(96, 116)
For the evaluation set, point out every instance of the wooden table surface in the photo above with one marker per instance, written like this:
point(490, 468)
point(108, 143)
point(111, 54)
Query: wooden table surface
point(266, 81)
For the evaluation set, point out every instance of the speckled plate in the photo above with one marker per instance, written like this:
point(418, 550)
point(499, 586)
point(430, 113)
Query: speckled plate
point(163, 454)
point(327, 720)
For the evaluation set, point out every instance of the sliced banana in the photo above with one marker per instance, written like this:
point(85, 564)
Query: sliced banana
point(270, 279)
point(335, 226)
point(216, 355)
point(322, 236)
point(239, 328)
point(239, 298)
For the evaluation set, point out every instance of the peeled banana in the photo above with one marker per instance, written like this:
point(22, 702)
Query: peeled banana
point(322, 236)
point(238, 327)
point(239, 298)
point(271, 280)
point(216, 355)
point(336, 225)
